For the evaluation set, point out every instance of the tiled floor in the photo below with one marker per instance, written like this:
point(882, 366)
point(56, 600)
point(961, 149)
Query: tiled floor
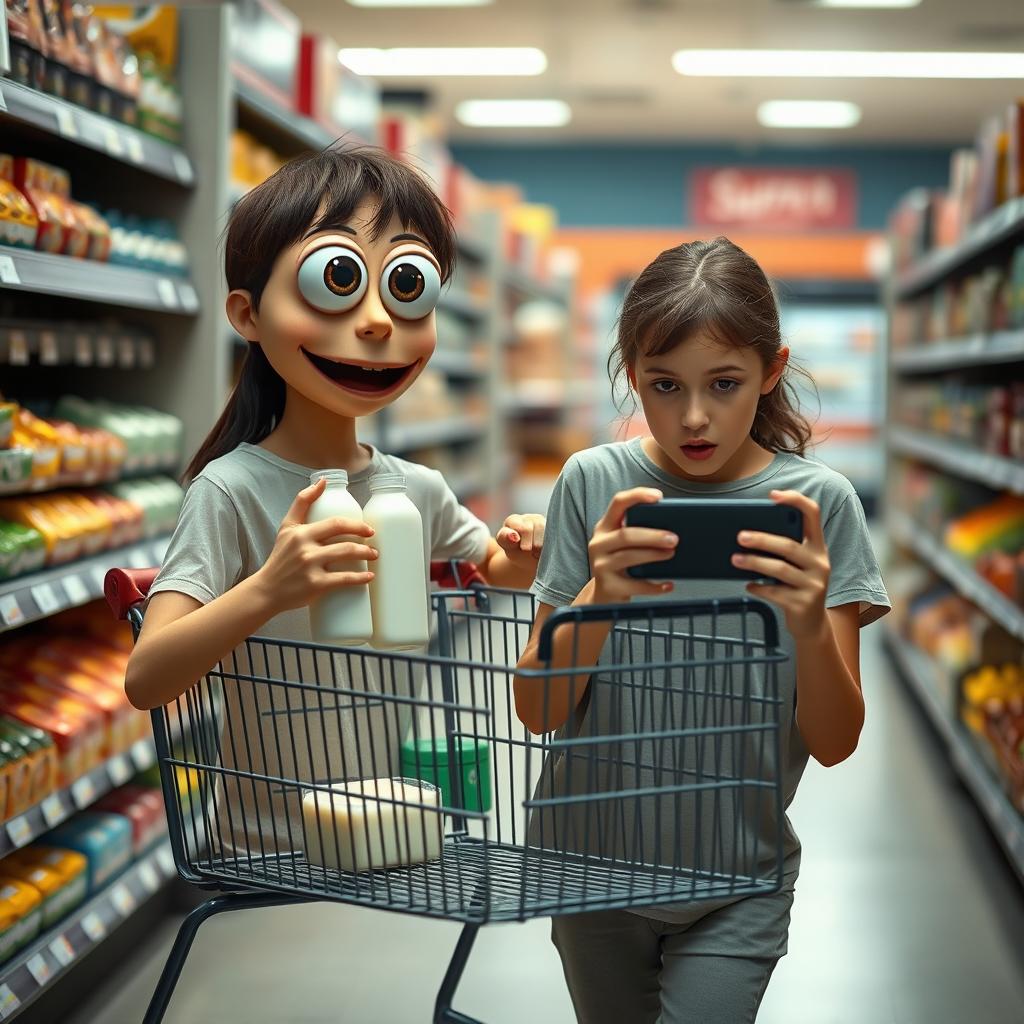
point(906, 913)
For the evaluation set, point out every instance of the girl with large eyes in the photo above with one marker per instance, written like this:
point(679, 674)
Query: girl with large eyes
point(334, 267)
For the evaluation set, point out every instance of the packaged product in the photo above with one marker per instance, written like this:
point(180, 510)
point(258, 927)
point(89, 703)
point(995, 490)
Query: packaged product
point(69, 865)
point(25, 31)
point(59, 896)
point(7, 411)
point(80, 73)
point(144, 808)
point(40, 752)
point(69, 733)
point(32, 432)
point(61, 543)
point(19, 224)
point(15, 467)
point(22, 550)
point(55, 47)
point(58, 230)
point(104, 839)
point(18, 775)
point(20, 916)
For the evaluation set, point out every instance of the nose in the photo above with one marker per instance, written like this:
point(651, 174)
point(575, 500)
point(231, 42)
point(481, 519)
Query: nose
point(694, 417)
point(373, 324)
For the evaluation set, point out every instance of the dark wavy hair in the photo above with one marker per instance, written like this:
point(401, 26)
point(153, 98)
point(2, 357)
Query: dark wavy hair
point(309, 193)
point(718, 289)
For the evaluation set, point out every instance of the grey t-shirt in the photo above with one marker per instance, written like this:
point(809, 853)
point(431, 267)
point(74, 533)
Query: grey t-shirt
point(588, 482)
point(225, 532)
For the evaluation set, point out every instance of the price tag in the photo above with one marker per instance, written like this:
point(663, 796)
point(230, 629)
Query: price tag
point(120, 770)
point(62, 951)
point(83, 792)
point(83, 350)
point(165, 859)
point(149, 878)
point(19, 831)
point(142, 755)
point(46, 598)
point(99, 577)
point(134, 146)
point(167, 292)
point(8, 271)
point(183, 168)
point(17, 354)
point(123, 900)
point(66, 122)
point(9, 1002)
point(147, 353)
point(189, 299)
point(49, 352)
point(93, 926)
point(125, 352)
point(76, 590)
point(113, 141)
point(105, 350)
point(53, 810)
point(10, 610)
point(39, 969)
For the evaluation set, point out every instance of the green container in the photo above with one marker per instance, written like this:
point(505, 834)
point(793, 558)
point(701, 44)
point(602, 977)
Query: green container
point(427, 760)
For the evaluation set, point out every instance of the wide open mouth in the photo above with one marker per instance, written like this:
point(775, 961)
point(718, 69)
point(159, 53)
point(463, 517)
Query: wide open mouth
point(366, 379)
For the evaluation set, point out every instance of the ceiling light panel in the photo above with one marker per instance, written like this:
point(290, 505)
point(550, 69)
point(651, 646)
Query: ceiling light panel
point(437, 62)
point(513, 113)
point(808, 114)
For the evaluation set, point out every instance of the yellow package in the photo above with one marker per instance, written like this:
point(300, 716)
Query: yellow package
point(59, 897)
point(62, 543)
point(21, 918)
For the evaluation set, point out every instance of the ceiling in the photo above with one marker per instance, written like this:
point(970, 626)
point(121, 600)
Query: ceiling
point(610, 59)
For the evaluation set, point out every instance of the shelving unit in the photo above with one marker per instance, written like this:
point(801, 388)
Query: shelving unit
point(983, 356)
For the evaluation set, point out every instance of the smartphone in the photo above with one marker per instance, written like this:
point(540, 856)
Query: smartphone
point(707, 532)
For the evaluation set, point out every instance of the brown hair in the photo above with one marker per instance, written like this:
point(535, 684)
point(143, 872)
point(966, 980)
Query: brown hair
point(716, 288)
point(310, 193)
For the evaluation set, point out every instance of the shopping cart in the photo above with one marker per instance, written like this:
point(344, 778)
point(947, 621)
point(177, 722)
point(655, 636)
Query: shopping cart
point(659, 791)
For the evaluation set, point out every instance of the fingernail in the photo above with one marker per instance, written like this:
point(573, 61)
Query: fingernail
point(669, 538)
point(744, 537)
point(737, 559)
point(514, 537)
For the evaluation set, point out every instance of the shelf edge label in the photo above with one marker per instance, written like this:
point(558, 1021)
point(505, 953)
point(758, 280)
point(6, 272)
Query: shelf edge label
point(8, 271)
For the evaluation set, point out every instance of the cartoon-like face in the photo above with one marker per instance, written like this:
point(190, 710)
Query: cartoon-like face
point(700, 400)
point(345, 319)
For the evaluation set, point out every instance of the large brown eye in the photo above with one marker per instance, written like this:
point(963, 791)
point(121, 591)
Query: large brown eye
point(343, 275)
point(333, 279)
point(410, 286)
point(406, 282)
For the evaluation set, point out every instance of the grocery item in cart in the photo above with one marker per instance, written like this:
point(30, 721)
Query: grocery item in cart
point(342, 616)
point(398, 590)
point(428, 758)
point(373, 824)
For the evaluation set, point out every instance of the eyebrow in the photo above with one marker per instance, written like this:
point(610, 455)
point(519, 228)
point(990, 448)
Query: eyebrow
point(329, 227)
point(713, 370)
point(407, 237)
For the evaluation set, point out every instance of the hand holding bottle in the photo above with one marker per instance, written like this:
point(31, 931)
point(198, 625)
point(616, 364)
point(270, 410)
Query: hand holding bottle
point(299, 567)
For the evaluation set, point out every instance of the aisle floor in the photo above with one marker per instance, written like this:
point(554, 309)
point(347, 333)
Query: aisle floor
point(906, 913)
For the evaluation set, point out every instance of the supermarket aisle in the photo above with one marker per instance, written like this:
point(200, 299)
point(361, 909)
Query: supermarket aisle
point(906, 914)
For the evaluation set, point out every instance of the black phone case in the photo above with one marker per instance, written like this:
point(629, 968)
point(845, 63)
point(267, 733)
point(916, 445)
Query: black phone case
point(707, 532)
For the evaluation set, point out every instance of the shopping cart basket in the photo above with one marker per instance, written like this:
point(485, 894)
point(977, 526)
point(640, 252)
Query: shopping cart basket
point(404, 781)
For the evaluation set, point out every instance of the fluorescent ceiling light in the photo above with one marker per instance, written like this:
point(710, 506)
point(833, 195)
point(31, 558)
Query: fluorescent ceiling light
point(853, 3)
point(513, 113)
point(423, 3)
point(808, 114)
point(429, 62)
point(846, 64)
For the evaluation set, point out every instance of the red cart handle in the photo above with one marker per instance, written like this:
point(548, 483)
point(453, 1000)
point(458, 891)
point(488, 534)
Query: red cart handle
point(125, 588)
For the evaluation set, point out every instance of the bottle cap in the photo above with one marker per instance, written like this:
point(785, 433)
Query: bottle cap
point(387, 482)
point(335, 477)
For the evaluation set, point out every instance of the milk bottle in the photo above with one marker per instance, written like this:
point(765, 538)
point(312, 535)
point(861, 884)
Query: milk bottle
point(398, 591)
point(343, 615)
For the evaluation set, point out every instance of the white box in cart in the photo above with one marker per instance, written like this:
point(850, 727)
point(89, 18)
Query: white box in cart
point(357, 828)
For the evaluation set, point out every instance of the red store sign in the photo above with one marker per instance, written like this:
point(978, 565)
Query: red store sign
point(773, 199)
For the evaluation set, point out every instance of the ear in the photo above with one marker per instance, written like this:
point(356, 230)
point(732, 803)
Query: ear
point(242, 314)
point(775, 371)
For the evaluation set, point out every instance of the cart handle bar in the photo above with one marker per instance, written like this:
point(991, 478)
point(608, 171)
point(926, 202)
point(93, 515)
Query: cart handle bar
point(654, 610)
point(126, 588)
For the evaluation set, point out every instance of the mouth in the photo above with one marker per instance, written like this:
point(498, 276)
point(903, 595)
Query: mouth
point(698, 450)
point(362, 378)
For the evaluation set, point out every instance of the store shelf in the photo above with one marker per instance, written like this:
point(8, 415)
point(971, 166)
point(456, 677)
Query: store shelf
point(546, 396)
point(41, 594)
point(301, 130)
point(46, 484)
point(828, 291)
point(457, 364)
point(70, 344)
point(462, 304)
point(1000, 226)
point(93, 131)
point(39, 966)
point(91, 281)
point(980, 350)
point(530, 288)
point(996, 471)
point(405, 438)
point(82, 793)
point(957, 572)
point(1006, 822)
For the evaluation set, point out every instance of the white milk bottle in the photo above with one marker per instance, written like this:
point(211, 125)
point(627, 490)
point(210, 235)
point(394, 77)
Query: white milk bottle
point(341, 616)
point(398, 591)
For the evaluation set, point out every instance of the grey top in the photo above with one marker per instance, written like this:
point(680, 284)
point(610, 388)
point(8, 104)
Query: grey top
point(225, 532)
point(581, 496)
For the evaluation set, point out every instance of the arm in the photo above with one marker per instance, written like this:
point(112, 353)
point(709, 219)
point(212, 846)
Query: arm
point(546, 704)
point(182, 639)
